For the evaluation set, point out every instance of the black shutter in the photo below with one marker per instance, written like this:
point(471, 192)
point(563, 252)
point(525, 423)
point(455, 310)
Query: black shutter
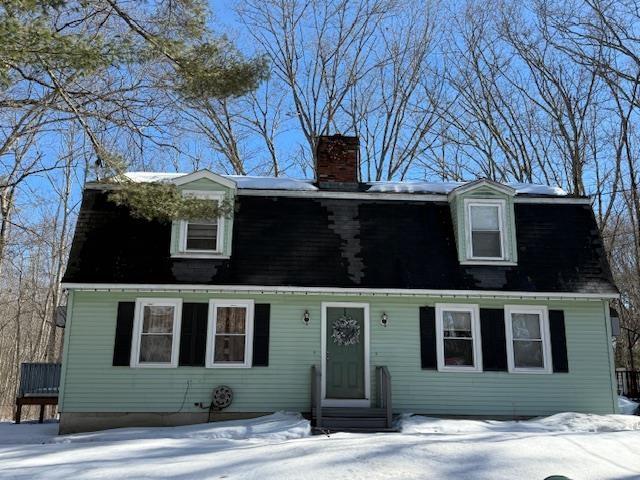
point(193, 334)
point(494, 342)
point(428, 356)
point(124, 333)
point(558, 341)
point(261, 334)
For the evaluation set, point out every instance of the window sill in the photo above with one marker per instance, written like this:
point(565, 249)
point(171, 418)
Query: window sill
point(200, 255)
point(489, 262)
point(460, 369)
point(531, 371)
point(231, 365)
point(153, 365)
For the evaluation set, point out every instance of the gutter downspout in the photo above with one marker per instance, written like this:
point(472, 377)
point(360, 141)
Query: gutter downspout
point(65, 356)
point(612, 370)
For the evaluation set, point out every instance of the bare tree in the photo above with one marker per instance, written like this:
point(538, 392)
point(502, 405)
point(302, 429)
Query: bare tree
point(217, 121)
point(320, 50)
point(604, 37)
point(394, 108)
point(265, 118)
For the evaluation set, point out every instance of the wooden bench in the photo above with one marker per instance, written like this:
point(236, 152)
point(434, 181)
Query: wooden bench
point(39, 384)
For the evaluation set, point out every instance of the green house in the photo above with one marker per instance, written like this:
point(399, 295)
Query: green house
point(347, 301)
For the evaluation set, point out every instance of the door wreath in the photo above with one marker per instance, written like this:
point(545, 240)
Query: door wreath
point(346, 331)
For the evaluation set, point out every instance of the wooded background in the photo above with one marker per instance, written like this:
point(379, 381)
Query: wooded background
point(439, 90)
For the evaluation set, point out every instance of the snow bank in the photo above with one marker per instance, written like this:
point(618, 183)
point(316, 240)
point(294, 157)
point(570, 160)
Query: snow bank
point(446, 187)
point(27, 432)
point(275, 427)
point(627, 407)
point(561, 422)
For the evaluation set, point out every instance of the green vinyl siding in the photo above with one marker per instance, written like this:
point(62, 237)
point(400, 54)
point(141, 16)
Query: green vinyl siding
point(205, 185)
point(91, 384)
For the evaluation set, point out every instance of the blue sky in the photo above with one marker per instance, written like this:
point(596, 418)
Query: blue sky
point(225, 21)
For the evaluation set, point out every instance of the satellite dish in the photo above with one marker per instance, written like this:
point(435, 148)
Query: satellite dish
point(60, 316)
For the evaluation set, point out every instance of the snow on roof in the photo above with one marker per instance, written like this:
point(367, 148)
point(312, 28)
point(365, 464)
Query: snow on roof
point(242, 181)
point(143, 177)
point(271, 183)
point(285, 183)
point(413, 186)
point(534, 189)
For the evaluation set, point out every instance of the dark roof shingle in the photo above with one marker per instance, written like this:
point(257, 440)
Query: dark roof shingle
point(321, 242)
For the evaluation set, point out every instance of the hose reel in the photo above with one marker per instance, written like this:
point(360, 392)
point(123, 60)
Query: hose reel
point(221, 398)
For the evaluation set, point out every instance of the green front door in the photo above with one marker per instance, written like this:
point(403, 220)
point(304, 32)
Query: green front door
point(345, 353)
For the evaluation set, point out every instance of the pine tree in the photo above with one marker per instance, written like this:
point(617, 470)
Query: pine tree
point(52, 50)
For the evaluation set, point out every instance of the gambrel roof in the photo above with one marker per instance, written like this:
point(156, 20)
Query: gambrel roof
point(357, 241)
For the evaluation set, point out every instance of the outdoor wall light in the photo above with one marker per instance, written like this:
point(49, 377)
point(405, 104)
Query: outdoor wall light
point(306, 318)
point(384, 319)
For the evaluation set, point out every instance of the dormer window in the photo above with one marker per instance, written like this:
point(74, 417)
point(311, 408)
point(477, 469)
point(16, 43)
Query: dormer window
point(201, 235)
point(486, 227)
point(202, 238)
point(484, 223)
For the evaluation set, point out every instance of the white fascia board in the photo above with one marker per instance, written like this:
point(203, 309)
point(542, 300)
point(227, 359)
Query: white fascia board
point(555, 200)
point(390, 196)
point(416, 197)
point(385, 292)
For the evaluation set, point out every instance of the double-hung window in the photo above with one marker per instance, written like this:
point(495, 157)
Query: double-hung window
point(528, 345)
point(156, 332)
point(458, 337)
point(486, 231)
point(230, 333)
point(203, 237)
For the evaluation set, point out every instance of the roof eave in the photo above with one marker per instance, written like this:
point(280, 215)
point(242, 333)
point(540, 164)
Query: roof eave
point(387, 292)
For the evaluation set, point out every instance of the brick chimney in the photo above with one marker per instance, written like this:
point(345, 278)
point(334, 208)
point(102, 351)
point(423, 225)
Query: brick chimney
point(337, 162)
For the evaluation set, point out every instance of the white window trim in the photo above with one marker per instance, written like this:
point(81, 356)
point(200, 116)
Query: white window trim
point(475, 331)
point(182, 229)
point(501, 204)
point(543, 312)
point(137, 331)
point(248, 339)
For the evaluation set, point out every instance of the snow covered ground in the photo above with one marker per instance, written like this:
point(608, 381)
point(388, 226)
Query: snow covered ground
point(279, 446)
point(627, 407)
